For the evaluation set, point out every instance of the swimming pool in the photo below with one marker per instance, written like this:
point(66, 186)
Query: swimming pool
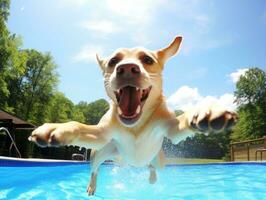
point(221, 181)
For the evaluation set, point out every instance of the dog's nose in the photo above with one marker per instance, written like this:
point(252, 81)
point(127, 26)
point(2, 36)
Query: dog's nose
point(128, 70)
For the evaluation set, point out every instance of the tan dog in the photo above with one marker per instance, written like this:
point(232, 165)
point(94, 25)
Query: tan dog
point(138, 119)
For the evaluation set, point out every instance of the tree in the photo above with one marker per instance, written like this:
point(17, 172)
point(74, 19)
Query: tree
point(4, 9)
point(251, 97)
point(94, 111)
point(63, 110)
point(11, 59)
point(32, 90)
point(251, 87)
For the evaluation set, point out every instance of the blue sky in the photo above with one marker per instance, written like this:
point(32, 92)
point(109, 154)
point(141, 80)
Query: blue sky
point(220, 40)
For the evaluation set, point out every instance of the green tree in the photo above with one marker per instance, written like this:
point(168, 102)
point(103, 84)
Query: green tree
point(11, 59)
point(251, 87)
point(94, 111)
point(4, 9)
point(63, 110)
point(35, 87)
point(251, 98)
point(15, 81)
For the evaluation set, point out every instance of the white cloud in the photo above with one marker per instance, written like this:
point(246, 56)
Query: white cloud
point(124, 19)
point(88, 53)
point(138, 11)
point(123, 15)
point(186, 98)
point(103, 26)
point(235, 76)
point(142, 22)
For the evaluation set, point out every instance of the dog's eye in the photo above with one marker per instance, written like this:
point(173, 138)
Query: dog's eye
point(147, 60)
point(113, 61)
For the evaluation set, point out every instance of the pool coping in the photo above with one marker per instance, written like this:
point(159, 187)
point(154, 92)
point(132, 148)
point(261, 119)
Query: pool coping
point(37, 162)
point(219, 163)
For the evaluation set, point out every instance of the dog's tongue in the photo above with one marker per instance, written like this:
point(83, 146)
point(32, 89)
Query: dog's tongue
point(129, 100)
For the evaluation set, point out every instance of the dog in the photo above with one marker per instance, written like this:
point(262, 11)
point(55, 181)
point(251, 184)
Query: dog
point(138, 119)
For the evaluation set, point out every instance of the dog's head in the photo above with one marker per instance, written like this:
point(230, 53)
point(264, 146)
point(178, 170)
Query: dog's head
point(132, 79)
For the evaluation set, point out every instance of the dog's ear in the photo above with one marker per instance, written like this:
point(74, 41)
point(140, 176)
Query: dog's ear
point(100, 61)
point(167, 52)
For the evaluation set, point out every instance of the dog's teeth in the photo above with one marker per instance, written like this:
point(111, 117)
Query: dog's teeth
point(138, 109)
point(119, 110)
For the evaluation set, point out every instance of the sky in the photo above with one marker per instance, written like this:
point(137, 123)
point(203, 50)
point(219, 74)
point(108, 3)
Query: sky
point(221, 40)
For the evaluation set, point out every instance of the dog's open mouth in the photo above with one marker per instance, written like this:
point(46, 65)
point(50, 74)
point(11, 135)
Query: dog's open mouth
point(130, 102)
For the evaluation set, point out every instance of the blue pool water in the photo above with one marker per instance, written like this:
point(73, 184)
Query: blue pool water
point(244, 181)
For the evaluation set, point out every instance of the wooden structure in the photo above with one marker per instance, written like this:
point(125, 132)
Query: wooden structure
point(248, 150)
point(12, 122)
point(9, 124)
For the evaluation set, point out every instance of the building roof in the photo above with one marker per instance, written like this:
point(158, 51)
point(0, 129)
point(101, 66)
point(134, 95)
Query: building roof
point(17, 123)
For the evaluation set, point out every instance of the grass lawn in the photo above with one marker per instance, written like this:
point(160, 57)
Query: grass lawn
point(191, 161)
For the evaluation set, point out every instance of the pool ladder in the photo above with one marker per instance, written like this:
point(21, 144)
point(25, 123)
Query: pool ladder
point(12, 141)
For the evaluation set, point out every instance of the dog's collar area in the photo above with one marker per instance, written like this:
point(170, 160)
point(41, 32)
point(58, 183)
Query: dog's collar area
point(130, 102)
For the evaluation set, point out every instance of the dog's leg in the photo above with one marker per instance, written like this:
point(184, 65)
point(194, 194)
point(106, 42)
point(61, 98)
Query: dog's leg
point(157, 163)
point(72, 133)
point(92, 184)
point(109, 151)
point(202, 120)
point(153, 175)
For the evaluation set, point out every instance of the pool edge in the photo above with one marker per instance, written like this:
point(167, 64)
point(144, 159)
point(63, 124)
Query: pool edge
point(37, 162)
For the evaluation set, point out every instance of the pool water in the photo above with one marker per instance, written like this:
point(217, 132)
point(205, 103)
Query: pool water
point(244, 181)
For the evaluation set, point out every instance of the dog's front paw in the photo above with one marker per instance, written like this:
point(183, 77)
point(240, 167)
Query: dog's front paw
point(91, 190)
point(54, 134)
point(212, 120)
